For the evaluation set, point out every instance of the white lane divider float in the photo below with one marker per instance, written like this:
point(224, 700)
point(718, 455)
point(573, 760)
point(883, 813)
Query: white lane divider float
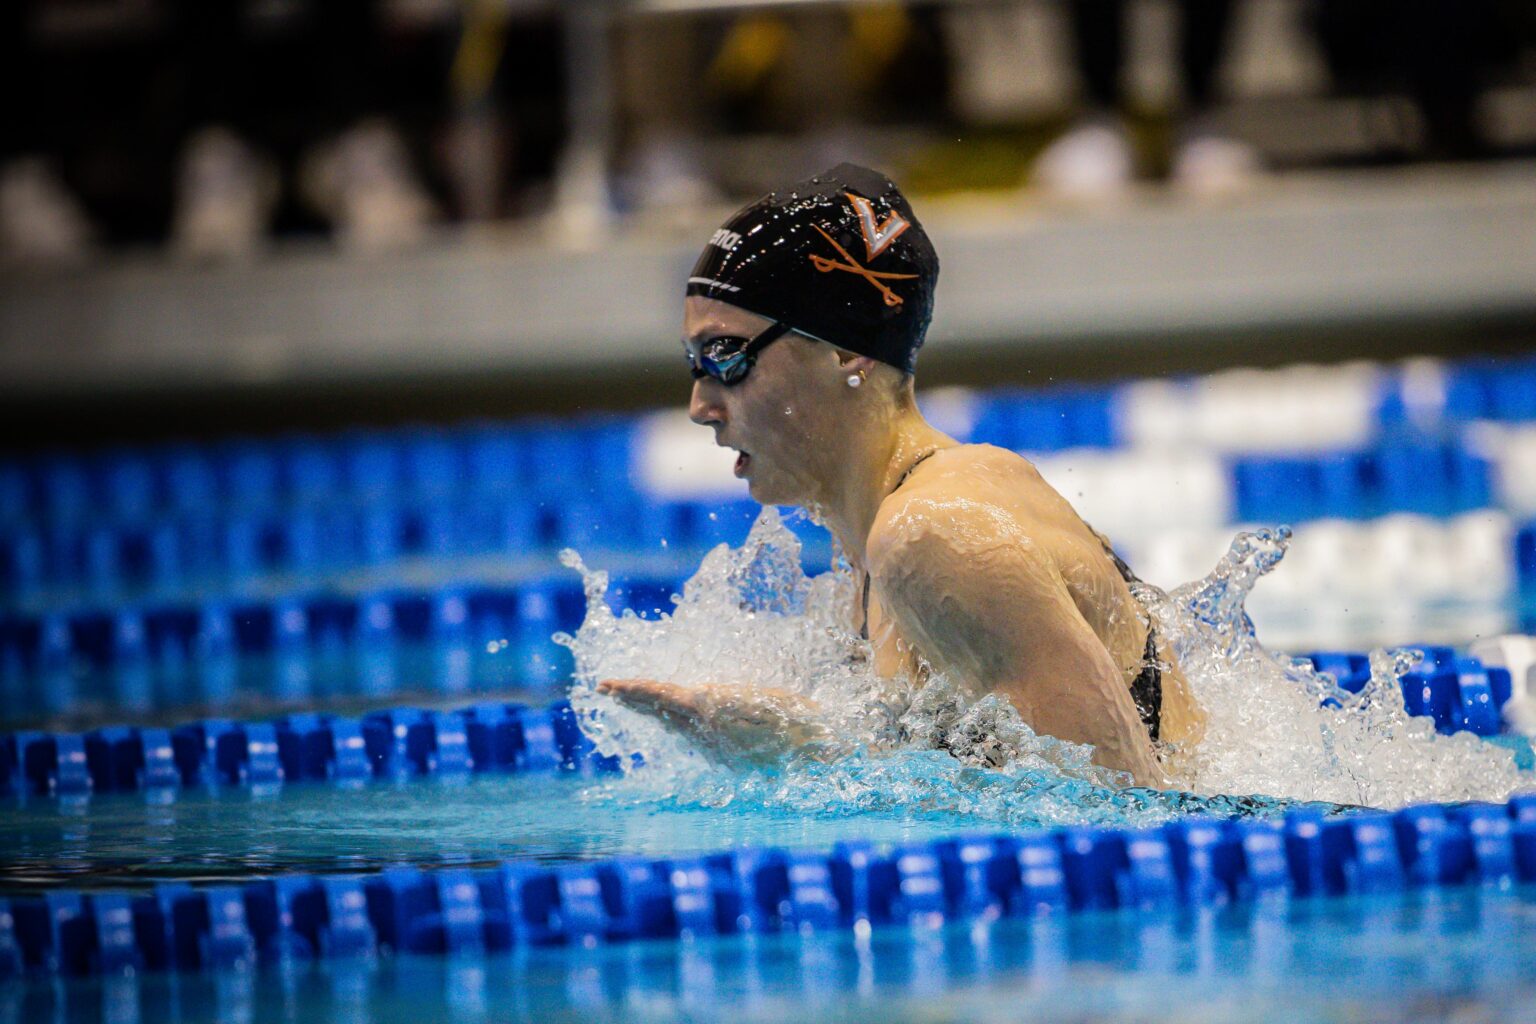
point(1511, 448)
point(1347, 583)
point(1133, 495)
point(1517, 654)
point(676, 459)
point(1293, 409)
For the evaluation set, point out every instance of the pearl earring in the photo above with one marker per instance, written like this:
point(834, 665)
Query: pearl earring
point(855, 379)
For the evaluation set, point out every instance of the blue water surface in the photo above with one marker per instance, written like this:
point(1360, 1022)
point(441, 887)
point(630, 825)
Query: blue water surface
point(227, 834)
point(133, 839)
point(1461, 954)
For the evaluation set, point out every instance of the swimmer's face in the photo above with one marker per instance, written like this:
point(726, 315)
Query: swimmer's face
point(782, 417)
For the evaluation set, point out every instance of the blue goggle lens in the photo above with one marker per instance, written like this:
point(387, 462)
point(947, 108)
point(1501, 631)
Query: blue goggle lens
point(728, 359)
point(723, 359)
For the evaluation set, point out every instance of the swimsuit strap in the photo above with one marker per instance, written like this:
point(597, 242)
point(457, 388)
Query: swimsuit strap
point(1147, 687)
point(864, 629)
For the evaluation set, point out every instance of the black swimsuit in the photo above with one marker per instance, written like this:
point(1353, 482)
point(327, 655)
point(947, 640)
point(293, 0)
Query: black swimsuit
point(1146, 688)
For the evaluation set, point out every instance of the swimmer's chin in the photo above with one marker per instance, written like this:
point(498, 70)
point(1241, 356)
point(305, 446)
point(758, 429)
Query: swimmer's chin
point(766, 491)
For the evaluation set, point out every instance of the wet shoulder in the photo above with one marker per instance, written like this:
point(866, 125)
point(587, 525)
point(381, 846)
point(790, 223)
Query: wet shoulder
point(977, 462)
point(968, 496)
point(978, 473)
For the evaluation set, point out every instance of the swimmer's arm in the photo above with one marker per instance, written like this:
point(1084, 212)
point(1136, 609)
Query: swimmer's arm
point(730, 724)
point(985, 604)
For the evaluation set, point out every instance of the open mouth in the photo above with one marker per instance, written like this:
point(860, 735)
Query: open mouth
point(742, 459)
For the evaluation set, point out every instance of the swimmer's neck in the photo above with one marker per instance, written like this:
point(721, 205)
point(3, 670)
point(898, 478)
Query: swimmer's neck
point(873, 458)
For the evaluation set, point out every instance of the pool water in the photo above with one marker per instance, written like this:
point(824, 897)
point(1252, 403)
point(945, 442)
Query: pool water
point(1461, 954)
point(126, 840)
point(752, 611)
point(132, 840)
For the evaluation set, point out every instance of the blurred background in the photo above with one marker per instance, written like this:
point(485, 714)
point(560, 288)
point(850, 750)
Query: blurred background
point(324, 325)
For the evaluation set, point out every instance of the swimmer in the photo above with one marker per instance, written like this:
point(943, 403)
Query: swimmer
point(802, 322)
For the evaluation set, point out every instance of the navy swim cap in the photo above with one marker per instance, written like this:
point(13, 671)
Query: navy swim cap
point(840, 257)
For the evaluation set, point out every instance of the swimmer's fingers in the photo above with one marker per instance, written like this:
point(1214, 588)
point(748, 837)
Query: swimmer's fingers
point(683, 709)
point(727, 723)
point(653, 697)
point(642, 691)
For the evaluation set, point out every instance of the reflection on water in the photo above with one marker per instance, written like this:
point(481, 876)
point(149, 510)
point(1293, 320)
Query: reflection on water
point(227, 834)
point(1462, 954)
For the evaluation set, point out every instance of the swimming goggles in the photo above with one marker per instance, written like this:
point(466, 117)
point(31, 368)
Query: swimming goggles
point(728, 359)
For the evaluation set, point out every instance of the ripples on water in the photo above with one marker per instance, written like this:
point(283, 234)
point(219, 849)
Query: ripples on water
point(751, 616)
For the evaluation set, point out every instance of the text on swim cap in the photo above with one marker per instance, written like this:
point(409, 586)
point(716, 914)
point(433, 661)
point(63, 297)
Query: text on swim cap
point(725, 239)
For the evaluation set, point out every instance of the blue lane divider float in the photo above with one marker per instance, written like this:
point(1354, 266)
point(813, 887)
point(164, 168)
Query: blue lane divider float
point(1459, 693)
point(1194, 863)
point(255, 534)
point(1434, 477)
point(398, 743)
point(451, 641)
point(255, 549)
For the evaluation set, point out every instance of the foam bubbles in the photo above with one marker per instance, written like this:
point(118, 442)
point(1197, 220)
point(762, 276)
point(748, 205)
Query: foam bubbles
point(750, 617)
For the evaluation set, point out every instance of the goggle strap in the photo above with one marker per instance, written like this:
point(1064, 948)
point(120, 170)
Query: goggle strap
point(772, 333)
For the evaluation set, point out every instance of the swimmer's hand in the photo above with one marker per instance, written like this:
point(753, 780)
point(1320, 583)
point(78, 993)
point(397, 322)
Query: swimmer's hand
point(729, 724)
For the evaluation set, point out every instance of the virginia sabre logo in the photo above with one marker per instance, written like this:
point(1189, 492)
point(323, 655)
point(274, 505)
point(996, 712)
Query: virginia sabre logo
point(877, 238)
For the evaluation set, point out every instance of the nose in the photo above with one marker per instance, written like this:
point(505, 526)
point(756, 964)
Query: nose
point(704, 406)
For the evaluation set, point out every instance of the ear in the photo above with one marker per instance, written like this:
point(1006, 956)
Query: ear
point(852, 362)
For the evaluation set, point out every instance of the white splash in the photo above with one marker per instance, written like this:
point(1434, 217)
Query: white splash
point(751, 616)
point(1277, 726)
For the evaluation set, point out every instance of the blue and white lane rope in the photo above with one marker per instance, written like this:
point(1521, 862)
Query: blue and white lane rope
point(1458, 692)
point(453, 641)
point(1191, 863)
point(326, 749)
point(138, 524)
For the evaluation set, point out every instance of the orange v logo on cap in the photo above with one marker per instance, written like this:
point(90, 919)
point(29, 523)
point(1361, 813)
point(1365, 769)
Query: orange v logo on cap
point(852, 266)
point(877, 237)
